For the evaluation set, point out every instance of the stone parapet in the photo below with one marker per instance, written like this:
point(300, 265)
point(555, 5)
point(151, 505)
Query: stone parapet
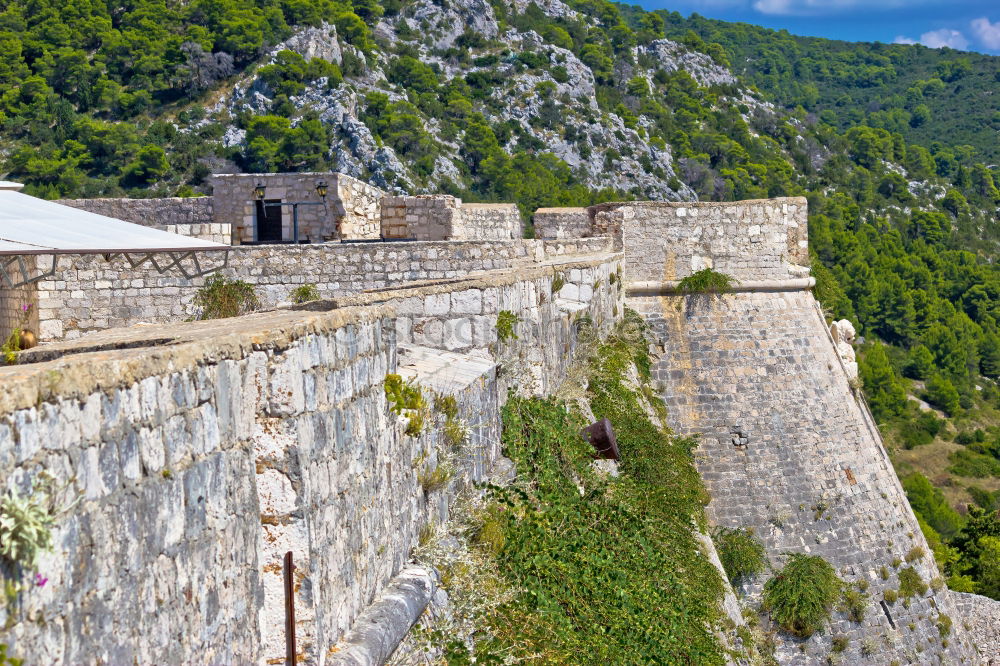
point(90, 294)
point(557, 223)
point(187, 216)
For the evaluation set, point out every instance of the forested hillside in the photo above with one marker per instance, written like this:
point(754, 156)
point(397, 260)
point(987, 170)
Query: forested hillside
point(570, 104)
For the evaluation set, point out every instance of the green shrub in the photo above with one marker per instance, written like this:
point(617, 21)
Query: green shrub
point(305, 293)
point(436, 478)
point(915, 553)
point(221, 298)
point(801, 595)
point(890, 596)
point(910, 583)
point(706, 281)
point(944, 624)
point(558, 282)
point(7, 660)
point(742, 555)
point(840, 643)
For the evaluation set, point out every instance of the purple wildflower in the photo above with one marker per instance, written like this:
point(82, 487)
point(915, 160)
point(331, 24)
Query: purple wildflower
point(40, 580)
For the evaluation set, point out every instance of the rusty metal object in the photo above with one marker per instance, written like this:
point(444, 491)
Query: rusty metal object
point(602, 437)
point(26, 340)
point(289, 610)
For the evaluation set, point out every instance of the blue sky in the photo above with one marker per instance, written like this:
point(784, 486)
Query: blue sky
point(972, 25)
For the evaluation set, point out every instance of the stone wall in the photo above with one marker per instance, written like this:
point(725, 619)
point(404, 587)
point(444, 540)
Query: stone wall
point(421, 217)
point(748, 240)
point(192, 216)
point(981, 617)
point(487, 222)
point(789, 450)
point(203, 451)
point(444, 217)
point(359, 207)
point(12, 313)
point(562, 223)
point(90, 294)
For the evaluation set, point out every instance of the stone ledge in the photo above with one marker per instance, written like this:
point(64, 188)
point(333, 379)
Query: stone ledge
point(763, 286)
point(383, 626)
point(120, 357)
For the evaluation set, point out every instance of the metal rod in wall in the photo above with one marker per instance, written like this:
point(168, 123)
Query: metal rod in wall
point(289, 610)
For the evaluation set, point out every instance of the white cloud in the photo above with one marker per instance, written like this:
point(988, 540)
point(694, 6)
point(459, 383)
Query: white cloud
point(937, 39)
point(987, 33)
point(813, 7)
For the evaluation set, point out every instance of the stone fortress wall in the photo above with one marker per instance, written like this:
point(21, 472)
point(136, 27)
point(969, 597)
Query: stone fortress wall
point(204, 451)
point(187, 216)
point(787, 447)
point(281, 415)
point(441, 216)
point(89, 293)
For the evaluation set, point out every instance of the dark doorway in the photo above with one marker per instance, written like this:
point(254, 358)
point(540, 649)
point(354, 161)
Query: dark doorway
point(268, 221)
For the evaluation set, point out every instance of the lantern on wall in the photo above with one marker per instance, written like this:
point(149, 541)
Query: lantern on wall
point(258, 192)
point(321, 188)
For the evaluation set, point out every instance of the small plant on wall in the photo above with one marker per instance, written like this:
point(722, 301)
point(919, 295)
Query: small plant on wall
point(305, 293)
point(25, 533)
point(801, 595)
point(406, 399)
point(506, 322)
point(222, 297)
point(706, 281)
point(742, 554)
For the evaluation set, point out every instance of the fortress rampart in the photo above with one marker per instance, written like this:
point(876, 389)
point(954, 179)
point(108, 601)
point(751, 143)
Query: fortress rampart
point(205, 450)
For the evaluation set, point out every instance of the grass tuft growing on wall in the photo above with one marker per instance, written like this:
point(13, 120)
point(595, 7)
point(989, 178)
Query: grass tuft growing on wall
point(706, 281)
point(221, 298)
point(801, 595)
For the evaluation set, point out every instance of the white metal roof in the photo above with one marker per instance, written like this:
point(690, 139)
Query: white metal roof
point(29, 225)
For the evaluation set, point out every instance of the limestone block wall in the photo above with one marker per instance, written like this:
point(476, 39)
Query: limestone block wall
point(981, 615)
point(420, 217)
point(203, 451)
point(788, 449)
point(748, 240)
point(187, 216)
point(562, 223)
point(359, 207)
point(444, 217)
point(12, 313)
point(487, 222)
point(90, 294)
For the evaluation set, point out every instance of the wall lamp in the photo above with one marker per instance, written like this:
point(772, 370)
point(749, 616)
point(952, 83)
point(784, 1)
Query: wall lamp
point(258, 192)
point(321, 188)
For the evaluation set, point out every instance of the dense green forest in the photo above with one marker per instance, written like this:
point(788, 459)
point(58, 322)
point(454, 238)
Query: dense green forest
point(893, 145)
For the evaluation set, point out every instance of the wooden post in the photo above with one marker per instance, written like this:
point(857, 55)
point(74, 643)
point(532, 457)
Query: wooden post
point(289, 611)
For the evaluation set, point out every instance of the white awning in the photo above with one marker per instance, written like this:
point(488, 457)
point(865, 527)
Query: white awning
point(29, 225)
